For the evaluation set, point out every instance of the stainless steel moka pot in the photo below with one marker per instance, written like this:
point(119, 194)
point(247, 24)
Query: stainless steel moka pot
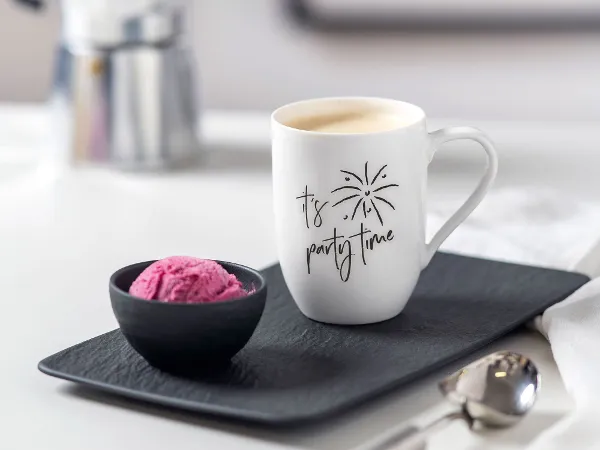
point(124, 85)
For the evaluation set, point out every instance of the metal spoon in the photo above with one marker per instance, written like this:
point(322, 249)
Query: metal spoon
point(495, 391)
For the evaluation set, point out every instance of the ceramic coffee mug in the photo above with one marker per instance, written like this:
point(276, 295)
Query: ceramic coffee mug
point(349, 179)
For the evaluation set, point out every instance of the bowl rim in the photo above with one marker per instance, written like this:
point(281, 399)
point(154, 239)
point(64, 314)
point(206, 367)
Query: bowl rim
point(258, 292)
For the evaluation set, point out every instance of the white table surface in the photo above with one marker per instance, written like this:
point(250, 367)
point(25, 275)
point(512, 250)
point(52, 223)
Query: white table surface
point(63, 233)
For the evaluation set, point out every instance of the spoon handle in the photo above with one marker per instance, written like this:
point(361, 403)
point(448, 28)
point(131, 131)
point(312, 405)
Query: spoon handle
point(412, 437)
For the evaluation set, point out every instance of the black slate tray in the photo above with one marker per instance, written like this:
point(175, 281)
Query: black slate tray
point(294, 369)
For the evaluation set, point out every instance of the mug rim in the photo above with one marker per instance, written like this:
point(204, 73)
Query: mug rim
point(414, 109)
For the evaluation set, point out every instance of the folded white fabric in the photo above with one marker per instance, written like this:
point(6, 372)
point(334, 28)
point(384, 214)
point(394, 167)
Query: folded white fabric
point(537, 226)
point(573, 328)
point(547, 228)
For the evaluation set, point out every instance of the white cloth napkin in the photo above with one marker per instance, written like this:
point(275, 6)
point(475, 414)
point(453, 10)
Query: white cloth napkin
point(544, 227)
point(573, 328)
point(538, 226)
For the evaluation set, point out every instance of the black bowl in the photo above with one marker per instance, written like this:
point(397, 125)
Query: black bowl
point(184, 337)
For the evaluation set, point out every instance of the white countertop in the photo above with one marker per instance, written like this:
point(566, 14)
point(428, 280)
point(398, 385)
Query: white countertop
point(63, 233)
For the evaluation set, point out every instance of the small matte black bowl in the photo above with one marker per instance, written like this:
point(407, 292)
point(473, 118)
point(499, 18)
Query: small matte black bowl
point(185, 337)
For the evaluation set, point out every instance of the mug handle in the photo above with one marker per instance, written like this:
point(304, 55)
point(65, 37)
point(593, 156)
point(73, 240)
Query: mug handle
point(439, 137)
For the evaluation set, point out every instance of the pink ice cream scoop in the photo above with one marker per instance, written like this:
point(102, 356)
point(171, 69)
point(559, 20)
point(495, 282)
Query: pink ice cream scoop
point(184, 279)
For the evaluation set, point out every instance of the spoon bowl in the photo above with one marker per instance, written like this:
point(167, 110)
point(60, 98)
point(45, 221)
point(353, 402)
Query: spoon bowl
point(497, 390)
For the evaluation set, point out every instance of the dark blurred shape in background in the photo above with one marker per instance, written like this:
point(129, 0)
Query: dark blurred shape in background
point(509, 60)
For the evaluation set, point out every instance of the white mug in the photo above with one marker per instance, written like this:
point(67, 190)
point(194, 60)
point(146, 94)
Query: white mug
point(350, 208)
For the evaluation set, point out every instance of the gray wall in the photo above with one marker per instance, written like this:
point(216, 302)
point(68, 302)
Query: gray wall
point(26, 44)
point(251, 58)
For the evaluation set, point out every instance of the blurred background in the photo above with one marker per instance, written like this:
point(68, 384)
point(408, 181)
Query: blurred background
point(505, 60)
point(527, 72)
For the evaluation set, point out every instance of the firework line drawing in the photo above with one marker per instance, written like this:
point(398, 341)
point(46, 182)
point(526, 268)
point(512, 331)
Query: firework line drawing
point(353, 174)
point(364, 193)
point(344, 199)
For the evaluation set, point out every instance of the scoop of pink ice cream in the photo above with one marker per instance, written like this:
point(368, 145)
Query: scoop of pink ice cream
point(184, 279)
